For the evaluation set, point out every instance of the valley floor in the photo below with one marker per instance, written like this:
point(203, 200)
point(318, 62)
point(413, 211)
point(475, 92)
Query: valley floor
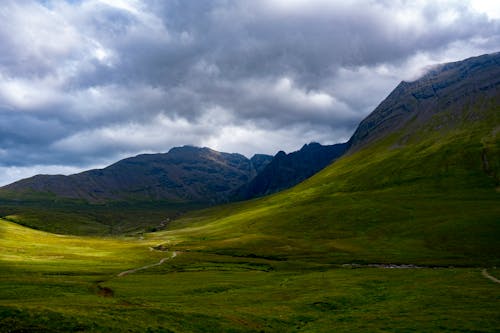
point(72, 284)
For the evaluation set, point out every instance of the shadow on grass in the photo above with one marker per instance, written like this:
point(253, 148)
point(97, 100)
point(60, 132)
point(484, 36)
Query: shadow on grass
point(74, 217)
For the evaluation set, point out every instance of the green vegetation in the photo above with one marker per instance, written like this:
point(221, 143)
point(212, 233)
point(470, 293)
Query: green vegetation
point(77, 217)
point(54, 283)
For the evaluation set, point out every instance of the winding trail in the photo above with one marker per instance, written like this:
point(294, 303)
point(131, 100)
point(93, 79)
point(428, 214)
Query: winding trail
point(131, 271)
point(488, 276)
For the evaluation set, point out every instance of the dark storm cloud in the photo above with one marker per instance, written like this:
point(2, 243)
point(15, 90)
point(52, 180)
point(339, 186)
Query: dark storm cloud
point(86, 82)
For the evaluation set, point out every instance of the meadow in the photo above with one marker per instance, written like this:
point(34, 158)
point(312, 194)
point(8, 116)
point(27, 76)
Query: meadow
point(54, 283)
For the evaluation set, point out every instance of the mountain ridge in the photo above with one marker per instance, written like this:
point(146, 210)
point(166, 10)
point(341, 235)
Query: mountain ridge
point(287, 170)
point(454, 83)
point(182, 174)
point(186, 174)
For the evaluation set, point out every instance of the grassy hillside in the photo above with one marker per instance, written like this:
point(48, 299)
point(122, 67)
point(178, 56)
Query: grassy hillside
point(76, 217)
point(431, 198)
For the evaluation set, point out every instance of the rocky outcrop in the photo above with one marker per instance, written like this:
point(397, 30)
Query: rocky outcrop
point(287, 170)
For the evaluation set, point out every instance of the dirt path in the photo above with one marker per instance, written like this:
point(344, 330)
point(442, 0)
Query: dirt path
point(488, 276)
point(131, 271)
point(397, 266)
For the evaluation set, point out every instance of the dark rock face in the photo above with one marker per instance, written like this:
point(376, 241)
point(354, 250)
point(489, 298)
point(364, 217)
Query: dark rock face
point(183, 174)
point(449, 86)
point(287, 170)
point(260, 161)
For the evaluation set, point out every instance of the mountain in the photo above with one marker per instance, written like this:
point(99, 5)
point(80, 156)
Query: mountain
point(443, 98)
point(419, 185)
point(287, 170)
point(260, 161)
point(448, 90)
point(184, 174)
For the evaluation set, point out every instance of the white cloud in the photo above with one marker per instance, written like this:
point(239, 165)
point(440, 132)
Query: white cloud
point(29, 94)
point(251, 138)
point(285, 99)
point(129, 5)
point(285, 90)
point(489, 7)
point(157, 135)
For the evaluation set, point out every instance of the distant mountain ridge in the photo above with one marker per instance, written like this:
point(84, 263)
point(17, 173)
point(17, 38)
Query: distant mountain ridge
point(186, 174)
point(287, 170)
point(183, 174)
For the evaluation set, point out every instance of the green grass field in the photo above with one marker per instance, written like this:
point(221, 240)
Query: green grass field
point(76, 217)
point(52, 283)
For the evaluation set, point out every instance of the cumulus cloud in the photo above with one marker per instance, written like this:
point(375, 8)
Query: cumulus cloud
point(83, 83)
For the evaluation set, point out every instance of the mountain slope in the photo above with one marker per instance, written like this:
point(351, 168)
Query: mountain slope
point(458, 92)
point(287, 170)
point(422, 191)
point(260, 161)
point(135, 194)
point(184, 174)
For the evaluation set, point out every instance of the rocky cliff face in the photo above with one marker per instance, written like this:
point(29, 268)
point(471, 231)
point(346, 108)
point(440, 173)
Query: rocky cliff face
point(453, 86)
point(287, 170)
point(260, 161)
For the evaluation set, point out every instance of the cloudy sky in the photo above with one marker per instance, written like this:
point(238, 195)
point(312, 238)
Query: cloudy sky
point(85, 83)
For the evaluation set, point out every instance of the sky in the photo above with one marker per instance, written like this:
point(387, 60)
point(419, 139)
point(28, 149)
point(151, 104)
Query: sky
point(84, 83)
